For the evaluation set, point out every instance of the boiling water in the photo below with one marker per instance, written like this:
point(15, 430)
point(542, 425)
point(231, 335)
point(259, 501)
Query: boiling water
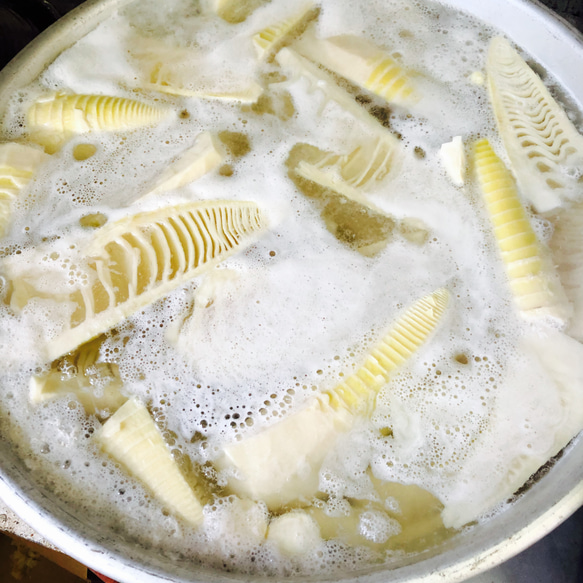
point(240, 347)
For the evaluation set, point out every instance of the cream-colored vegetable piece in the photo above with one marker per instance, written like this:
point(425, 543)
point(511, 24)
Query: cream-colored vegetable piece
point(453, 159)
point(203, 157)
point(562, 359)
point(131, 437)
point(534, 284)
point(269, 40)
point(566, 246)
point(18, 164)
point(298, 66)
point(96, 385)
point(543, 145)
point(65, 115)
point(348, 212)
point(281, 464)
point(364, 64)
point(249, 519)
point(294, 533)
point(233, 11)
point(478, 78)
point(138, 260)
point(180, 71)
point(247, 95)
point(361, 169)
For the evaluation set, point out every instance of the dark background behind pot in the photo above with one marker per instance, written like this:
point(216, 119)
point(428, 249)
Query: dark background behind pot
point(22, 20)
point(558, 558)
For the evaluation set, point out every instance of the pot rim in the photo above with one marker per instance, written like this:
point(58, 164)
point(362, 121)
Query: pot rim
point(528, 519)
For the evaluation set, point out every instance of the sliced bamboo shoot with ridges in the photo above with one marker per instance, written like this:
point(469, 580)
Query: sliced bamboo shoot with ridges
point(543, 145)
point(131, 437)
point(269, 40)
point(136, 261)
point(363, 64)
point(69, 114)
point(234, 11)
point(293, 63)
point(534, 284)
point(362, 168)
point(407, 335)
point(280, 465)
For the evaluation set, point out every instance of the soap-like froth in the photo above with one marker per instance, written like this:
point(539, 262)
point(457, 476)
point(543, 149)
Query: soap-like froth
point(252, 341)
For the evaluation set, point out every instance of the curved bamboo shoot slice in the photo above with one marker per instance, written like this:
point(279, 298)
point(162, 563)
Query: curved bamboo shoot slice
point(269, 40)
point(62, 115)
point(146, 256)
point(18, 164)
point(561, 358)
point(453, 159)
point(543, 145)
point(534, 284)
point(363, 64)
point(233, 11)
point(297, 66)
point(331, 181)
point(345, 211)
point(176, 70)
point(200, 159)
point(138, 260)
point(361, 169)
point(281, 464)
point(247, 94)
point(131, 437)
point(357, 394)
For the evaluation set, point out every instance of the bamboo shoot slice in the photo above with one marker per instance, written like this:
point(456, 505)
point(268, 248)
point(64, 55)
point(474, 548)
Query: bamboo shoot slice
point(269, 40)
point(54, 118)
point(138, 260)
point(338, 185)
point(298, 66)
point(18, 164)
point(362, 169)
point(131, 437)
point(281, 464)
point(543, 145)
point(358, 392)
point(177, 70)
point(363, 64)
point(233, 11)
point(82, 113)
point(453, 159)
point(203, 157)
point(534, 284)
point(294, 533)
